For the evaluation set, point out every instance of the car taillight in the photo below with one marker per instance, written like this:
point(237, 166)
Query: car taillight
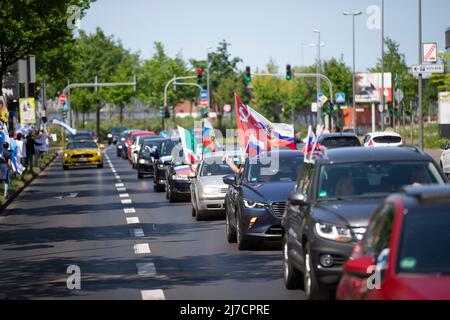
point(370, 143)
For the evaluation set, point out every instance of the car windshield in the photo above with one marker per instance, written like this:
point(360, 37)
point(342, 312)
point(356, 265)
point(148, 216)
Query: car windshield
point(425, 241)
point(117, 130)
point(167, 146)
point(147, 146)
point(338, 142)
point(373, 179)
point(81, 136)
point(216, 168)
point(281, 169)
point(82, 145)
point(387, 139)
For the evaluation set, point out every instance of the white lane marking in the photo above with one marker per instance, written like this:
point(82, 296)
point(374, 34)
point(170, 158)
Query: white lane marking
point(72, 195)
point(156, 294)
point(119, 185)
point(146, 269)
point(126, 201)
point(141, 248)
point(132, 220)
point(138, 232)
point(121, 189)
point(124, 195)
point(117, 177)
point(129, 210)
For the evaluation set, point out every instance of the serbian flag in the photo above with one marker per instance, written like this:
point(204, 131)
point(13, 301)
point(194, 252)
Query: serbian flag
point(189, 145)
point(209, 141)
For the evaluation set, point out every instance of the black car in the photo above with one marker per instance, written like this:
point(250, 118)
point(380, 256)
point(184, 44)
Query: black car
point(255, 201)
point(338, 140)
point(146, 156)
point(115, 133)
point(162, 161)
point(335, 196)
point(178, 184)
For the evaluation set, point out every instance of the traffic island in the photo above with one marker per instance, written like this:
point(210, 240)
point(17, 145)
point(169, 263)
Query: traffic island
point(19, 183)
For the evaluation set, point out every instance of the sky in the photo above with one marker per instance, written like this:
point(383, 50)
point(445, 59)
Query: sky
point(262, 30)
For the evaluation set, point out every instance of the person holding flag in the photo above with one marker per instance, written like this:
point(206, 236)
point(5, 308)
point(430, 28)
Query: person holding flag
point(209, 142)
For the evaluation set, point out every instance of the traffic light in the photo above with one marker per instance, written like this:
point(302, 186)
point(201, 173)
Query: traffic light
point(64, 113)
point(288, 72)
point(161, 111)
point(171, 110)
point(248, 74)
point(199, 76)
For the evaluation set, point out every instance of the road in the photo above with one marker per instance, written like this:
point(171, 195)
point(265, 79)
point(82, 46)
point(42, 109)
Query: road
point(154, 251)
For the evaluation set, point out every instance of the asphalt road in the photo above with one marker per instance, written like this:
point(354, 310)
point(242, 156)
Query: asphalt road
point(155, 250)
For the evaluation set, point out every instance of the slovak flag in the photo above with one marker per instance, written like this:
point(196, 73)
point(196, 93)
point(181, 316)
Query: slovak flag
point(208, 137)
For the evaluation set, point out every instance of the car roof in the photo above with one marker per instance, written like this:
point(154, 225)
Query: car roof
point(142, 133)
point(432, 193)
point(358, 154)
point(338, 134)
point(385, 133)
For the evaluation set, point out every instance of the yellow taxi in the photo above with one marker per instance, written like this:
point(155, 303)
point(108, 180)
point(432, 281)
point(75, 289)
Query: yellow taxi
point(83, 153)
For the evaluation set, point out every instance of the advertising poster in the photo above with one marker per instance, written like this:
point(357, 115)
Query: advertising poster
point(27, 111)
point(368, 87)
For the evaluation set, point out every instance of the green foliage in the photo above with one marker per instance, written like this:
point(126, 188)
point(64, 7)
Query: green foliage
point(442, 81)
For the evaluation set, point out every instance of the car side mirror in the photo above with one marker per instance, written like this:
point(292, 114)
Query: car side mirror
point(297, 199)
point(101, 146)
point(167, 162)
point(229, 179)
point(192, 175)
point(359, 266)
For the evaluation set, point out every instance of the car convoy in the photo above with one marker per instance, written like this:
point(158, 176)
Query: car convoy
point(337, 211)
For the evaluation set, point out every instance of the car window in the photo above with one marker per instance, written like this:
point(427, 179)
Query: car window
point(81, 145)
point(425, 240)
point(285, 170)
point(387, 139)
point(215, 169)
point(373, 179)
point(336, 142)
point(305, 180)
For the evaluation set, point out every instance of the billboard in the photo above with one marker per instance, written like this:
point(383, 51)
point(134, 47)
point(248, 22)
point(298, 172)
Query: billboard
point(27, 111)
point(368, 87)
point(444, 107)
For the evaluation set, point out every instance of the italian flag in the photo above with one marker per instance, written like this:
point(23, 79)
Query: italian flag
point(189, 144)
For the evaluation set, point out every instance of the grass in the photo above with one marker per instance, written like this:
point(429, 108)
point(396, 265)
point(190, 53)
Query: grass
point(19, 182)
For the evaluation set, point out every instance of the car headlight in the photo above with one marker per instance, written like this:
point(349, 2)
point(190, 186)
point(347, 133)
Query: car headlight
point(143, 161)
point(99, 153)
point(160, 166)
point(211, 190)
point(119, 146)
point(332, 232)
point(66, 155)
point(109, 135)
point(180, 177)
point(253, 204)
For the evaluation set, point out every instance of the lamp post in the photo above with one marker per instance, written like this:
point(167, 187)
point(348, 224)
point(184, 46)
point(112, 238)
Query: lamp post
point(207, 76)
point(353, 14)
point(318, 45)
point(382, 65)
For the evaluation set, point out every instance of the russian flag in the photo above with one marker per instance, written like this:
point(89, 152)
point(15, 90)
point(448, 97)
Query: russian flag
point(183, 170)
point(310, 141)
point(254, 146)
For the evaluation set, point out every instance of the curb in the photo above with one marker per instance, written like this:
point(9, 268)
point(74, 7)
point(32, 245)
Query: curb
point(26, 184)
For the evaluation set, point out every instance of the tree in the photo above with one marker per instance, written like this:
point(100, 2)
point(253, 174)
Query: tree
point(442, 81)
point(31, 27)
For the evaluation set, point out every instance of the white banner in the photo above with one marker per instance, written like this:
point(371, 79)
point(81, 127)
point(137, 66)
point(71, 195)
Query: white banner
point(444, 107)
point(65, 126)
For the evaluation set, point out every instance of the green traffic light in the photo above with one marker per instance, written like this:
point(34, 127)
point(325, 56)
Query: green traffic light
point(248, 79)
point(288, 77)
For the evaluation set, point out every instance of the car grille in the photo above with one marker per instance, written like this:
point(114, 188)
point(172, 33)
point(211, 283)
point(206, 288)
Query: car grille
point(278, 209)
point(223, 190)
point(86, 155)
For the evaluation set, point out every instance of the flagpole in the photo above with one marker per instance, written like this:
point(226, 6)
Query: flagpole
point(203, 129)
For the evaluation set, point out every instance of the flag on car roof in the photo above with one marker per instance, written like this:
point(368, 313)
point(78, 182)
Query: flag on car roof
point(189, 145)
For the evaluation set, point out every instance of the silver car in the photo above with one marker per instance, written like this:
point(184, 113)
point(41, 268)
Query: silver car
point(207, 187)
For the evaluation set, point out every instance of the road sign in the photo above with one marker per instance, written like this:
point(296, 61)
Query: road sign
point(204, 98)
point(428, 68)
point(322, 99)
point(314, 107)
point(429, 52)
point(340, 97)
point(380, 107)
point(399, 95)
point(62, 99)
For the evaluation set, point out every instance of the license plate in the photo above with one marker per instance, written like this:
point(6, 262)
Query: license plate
point(83, 160)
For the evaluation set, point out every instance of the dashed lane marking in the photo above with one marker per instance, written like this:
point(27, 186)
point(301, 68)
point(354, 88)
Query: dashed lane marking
point(132, 220)
point(129, 210)
point(156, 294)
point(141, 248)
point(121, 189)
point(126, 201)
point(119, 185)
point(124, 195)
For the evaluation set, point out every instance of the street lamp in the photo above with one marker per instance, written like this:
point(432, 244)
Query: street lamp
point(318, 45)
point(207, 76)
point(353, 14)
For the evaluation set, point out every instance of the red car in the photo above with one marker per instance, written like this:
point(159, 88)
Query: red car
point(132, 138)
point(405, 253)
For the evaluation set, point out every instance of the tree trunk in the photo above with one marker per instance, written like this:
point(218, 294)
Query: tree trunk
point(83, 117)
point(98, 120)
point(121, 106)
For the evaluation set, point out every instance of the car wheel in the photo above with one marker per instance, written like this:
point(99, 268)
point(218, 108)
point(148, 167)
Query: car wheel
point(313, 291)
point(199, 216)
point(293, 279)
point(118, 155)
point(158, 188)
point(193, 211)
point(172, 197)
point(167, 192)
point(230, 232)
point(242, 242)
point(100, 165)
point(65, 168)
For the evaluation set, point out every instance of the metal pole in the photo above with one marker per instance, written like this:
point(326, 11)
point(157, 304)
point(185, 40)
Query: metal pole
point(207, 78)
point(353, 86)
point(382, 64)
point(319, 109)
point(420, 118)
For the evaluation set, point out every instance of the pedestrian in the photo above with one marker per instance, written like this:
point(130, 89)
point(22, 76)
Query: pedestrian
point(6, 167)
point(31, 151)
